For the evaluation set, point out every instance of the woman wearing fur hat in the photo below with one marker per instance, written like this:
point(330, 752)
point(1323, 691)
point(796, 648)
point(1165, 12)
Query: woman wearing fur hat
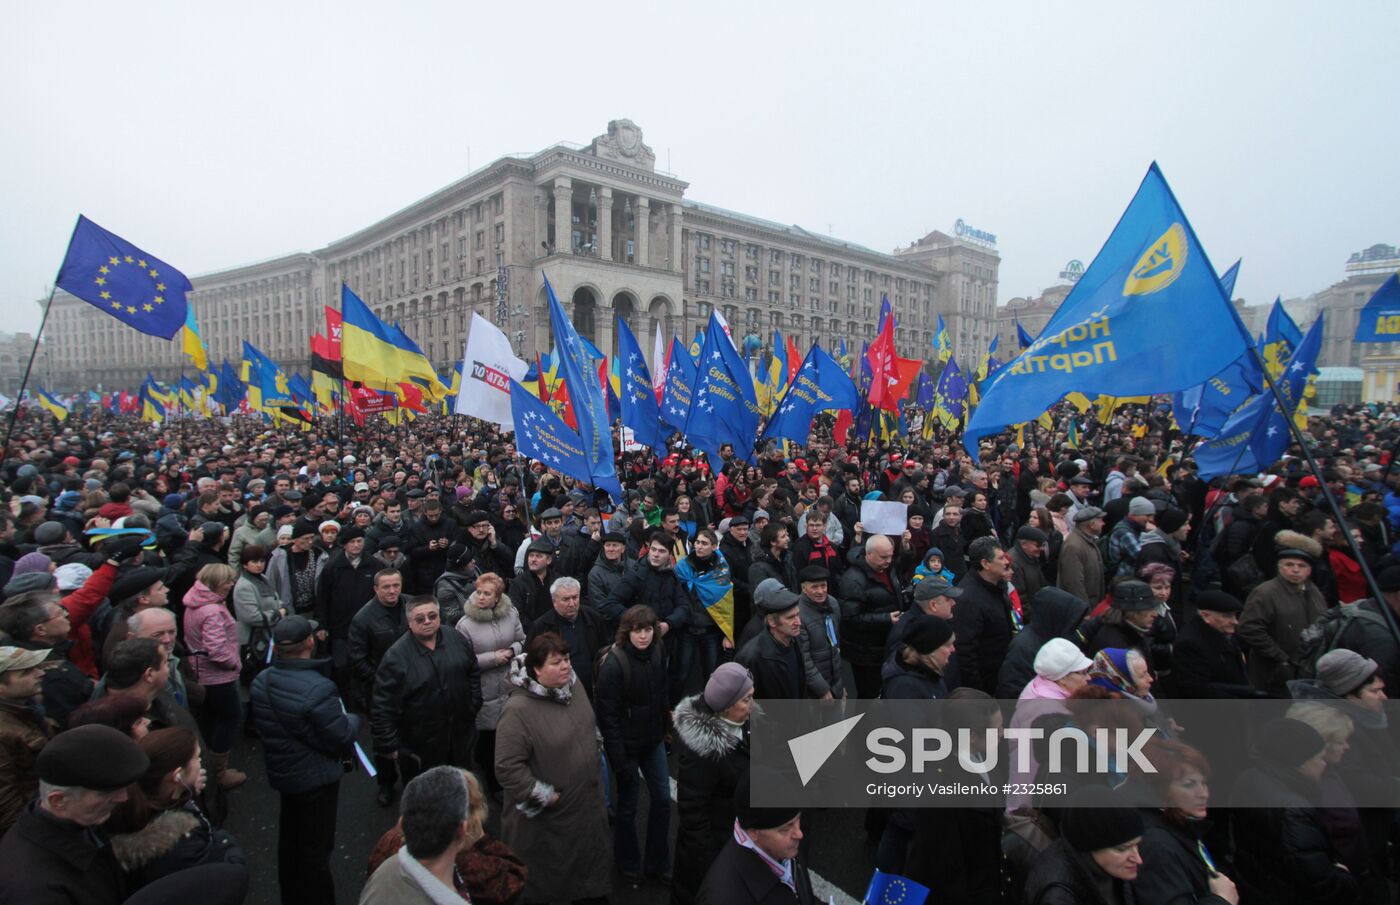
point(493, 626)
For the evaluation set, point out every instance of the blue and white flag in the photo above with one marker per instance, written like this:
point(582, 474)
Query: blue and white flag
point(639, 409)
point(726, 407)
point(820, 384)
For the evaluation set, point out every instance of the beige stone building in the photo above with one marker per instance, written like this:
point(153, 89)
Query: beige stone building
point(614, 235)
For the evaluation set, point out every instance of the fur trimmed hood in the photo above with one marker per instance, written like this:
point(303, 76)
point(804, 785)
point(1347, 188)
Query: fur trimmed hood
point(1292, 540)
point(155, 839)
point(704, 731)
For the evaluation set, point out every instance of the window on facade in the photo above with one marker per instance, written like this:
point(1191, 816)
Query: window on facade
point(751, 273)
point(500, 232)
point(751, 294)
point(727, 268)
point(774, 256)
point(774, 296)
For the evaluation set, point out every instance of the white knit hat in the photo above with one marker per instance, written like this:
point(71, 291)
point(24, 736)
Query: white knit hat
point(1058, 658)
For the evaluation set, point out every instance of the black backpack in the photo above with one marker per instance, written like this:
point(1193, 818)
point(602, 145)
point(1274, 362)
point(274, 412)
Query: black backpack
point(1323, 635)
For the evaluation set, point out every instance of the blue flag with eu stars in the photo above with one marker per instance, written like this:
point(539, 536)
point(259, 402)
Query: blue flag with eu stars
point(639, 410)
point(111, 274)
point(726, 407)
point(680, 386)
point(580, 373)
point(1257, 435)
point(892, 889)
point(1379, 320)
point(541, 435)
point(1148, 316)
point(820, 384)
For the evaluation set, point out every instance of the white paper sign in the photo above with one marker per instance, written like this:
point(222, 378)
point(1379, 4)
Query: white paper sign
point(880, 517)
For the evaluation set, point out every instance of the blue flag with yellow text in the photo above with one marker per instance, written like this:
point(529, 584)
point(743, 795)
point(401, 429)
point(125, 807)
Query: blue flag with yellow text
point(680, 386)
point(820, 385)
point(1148, 316)
point(1257, 435)
point(639, 408)
point(542, 436)
point(1379, 319)
point(116, 277)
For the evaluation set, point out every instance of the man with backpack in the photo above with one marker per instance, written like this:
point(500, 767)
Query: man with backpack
point(1362, 627)
point(1275, 616)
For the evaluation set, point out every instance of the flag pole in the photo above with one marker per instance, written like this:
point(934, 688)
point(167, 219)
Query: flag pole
point(24, 381)
point(1337, 515)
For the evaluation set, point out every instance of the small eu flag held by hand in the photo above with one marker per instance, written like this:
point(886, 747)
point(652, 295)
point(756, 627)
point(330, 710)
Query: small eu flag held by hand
point(892, 889)
point(136, 288)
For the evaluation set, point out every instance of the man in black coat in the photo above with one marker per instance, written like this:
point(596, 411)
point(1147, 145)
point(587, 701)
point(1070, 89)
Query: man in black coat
point(427, 693)
point(425, 543)
point(774, 561)
point(983, 620)
point(870, 605)
point(1207, 661)
point(653, 582)
point(773, 655)
point(345, 584)
point(1053, 614)
point(1369, 634)
point(57, 851)
point(582, 627)
point(488, 553)
point(306, 738)
point(741, 875)
point(529, 591)
point(735, 547)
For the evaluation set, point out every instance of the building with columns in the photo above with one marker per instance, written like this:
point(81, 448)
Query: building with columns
point(614, 235)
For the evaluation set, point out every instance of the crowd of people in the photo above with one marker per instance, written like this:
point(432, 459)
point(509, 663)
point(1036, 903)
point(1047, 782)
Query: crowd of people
point(513, 647)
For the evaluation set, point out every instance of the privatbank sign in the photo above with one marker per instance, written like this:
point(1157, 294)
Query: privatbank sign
point(1073, 271)
point(971, 234)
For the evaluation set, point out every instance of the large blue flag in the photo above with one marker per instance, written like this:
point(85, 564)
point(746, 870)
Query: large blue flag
point(1148, 316)
point(114, 276)
point(266, 376)
point(1203, 409)
point(1379, 320)
point(950, 396)
point(1257, 435)
point(586, 394)
point(680, 386)
point(726, 406)
point(820, 385)
point(639, 409)
point(541, 435)
point(924, 397)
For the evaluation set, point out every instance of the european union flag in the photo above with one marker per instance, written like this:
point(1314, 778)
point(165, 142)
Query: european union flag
point(892, 889)
point(111, 274)
point(820, 385)
point(1260, 427)
point(1148, 316)
point(540, 435)
point(639, 409)
point(1379, 320)
point(925, 396)
point(680, 387)
point(950, 395)
point(586, 396)
point(726, 406)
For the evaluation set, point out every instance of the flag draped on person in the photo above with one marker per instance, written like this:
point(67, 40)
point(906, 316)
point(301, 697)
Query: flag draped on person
point(1148, 316)
point(587, 398)
point(821, 385)
point(714, 589)
point(116, 277)
point(488, 366)
point(638, 397)
point(679, 390)
point(1256, 436)
point(725, 409)
point(1379, 319)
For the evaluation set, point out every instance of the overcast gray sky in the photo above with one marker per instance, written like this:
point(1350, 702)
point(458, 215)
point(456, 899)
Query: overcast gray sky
point(214, 136)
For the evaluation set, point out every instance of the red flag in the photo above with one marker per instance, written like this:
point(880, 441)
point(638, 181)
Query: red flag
point(843, 424)
point(333, 332)
point(794, 361)
point(411, 397)
point(883, 370)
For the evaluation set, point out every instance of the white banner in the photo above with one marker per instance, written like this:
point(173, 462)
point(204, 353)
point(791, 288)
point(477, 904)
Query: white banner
point(487, 369)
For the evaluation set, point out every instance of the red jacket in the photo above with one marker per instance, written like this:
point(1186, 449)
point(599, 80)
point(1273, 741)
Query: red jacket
point(81, 604)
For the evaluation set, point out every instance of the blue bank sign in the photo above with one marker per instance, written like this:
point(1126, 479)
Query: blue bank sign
point(963, 231)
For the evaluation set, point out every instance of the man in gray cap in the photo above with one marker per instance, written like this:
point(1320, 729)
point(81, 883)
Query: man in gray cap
point(1370, 635)
point(57, 851)
point(23, 728)
point(1081, 565)
point(1275, 614)
point(773, 655)
point(1126, 539)
point(1027, 563)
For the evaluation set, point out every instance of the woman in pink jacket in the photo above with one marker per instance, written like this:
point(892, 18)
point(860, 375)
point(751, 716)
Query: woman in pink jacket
point(211, 634)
